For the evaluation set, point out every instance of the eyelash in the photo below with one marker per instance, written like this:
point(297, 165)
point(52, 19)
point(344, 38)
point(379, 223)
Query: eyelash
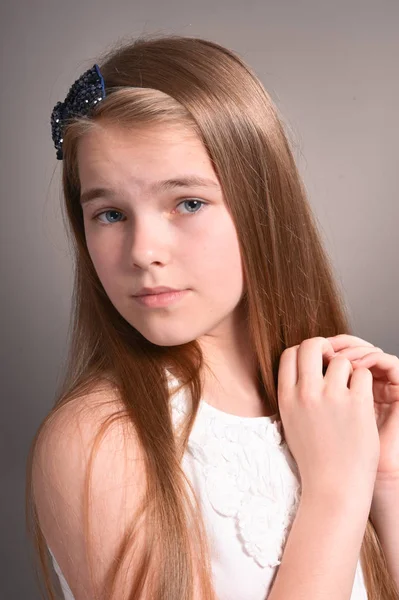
point(96, 217)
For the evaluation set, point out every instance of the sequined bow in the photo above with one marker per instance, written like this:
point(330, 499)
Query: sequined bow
point(84, 94)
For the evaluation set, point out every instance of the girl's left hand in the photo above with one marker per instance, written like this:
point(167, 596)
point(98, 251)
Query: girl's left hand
point(385, 370)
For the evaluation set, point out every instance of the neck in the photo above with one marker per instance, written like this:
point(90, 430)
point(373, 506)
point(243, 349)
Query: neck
point(230, 379)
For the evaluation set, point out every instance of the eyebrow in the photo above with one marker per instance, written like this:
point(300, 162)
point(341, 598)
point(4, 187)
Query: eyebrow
point(159, 186)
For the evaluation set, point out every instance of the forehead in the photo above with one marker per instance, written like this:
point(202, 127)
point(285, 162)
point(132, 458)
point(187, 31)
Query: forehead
point(115, 152)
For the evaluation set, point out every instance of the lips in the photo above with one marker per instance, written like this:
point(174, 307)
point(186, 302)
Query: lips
point(154, 291)
point(161, 299)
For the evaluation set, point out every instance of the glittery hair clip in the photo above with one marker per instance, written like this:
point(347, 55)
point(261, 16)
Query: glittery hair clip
point(84, 94)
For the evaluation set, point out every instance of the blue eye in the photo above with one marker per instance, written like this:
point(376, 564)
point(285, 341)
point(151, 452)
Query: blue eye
point(198, 206)
point(105, 212)
point(198, 203)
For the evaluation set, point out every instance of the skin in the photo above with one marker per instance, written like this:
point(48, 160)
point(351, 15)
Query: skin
point(164, 238)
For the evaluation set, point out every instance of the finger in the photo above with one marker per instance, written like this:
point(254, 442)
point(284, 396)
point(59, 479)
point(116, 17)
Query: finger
point(361, 382)
point(381, 364)
point(311, 355)
point(288, 371)
point(339, 371)
point(344, 340)
point(356, 352)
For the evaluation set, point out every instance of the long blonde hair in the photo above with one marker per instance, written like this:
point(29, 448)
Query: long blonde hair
point(290, 295)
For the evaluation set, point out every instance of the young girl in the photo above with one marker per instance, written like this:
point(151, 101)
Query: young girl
point(214, 438)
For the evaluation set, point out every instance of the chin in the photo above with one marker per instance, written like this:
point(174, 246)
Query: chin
point(166, 338)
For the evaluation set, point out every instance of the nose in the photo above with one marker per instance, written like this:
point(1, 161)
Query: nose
point(149, 241)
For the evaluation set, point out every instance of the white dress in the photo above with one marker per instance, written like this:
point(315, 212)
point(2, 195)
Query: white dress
point(249, 489)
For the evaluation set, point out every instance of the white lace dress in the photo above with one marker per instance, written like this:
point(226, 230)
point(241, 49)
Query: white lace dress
point(248, 485)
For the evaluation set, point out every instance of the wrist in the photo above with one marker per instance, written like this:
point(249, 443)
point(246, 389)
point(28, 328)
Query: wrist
point(386, 494)
point(386, 485)
point(337, 501)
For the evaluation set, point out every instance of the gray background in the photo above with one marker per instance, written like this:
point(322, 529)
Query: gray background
point(332, 69)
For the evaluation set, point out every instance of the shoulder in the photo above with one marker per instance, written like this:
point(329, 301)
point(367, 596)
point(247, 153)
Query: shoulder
point(91, 437)
point(95, 426)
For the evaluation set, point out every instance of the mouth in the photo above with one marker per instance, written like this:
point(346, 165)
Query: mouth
point(155, 291)
point(161, 299)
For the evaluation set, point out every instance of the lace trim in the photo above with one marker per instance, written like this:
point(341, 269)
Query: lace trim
point(250, 476)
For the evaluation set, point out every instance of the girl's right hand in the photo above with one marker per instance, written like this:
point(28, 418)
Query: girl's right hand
point(329, 421)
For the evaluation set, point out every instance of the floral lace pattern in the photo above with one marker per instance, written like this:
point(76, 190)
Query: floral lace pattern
point(250, 476)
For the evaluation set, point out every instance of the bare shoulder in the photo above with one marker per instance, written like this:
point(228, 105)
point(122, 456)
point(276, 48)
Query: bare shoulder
point(92, 436)
point(95, 423)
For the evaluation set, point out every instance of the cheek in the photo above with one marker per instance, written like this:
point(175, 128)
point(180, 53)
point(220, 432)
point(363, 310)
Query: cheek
point(95, 254)
point(220, 259)
point(105, 263)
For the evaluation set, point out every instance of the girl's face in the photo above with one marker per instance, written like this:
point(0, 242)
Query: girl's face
point(159, 219)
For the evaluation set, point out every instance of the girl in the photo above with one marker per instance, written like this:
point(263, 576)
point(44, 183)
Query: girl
point(213, 437)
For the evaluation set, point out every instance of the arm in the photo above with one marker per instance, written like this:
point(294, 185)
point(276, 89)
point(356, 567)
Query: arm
point(384, 515)
point(322, 550)
point(61, 462)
